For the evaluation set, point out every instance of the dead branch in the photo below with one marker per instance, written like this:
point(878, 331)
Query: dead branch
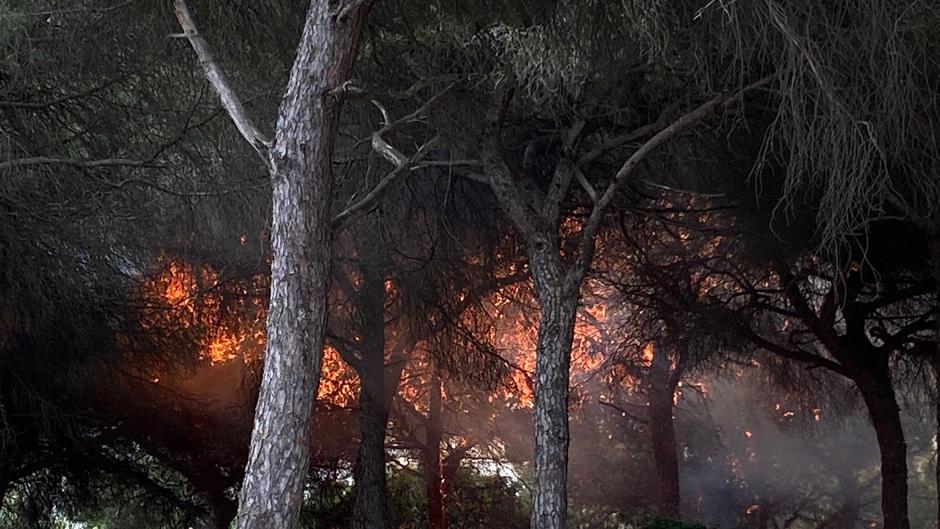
point(220, 82)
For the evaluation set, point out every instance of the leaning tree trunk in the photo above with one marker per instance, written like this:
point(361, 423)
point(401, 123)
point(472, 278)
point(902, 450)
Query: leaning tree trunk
point(662, 388)
point(553, 359)
point(882, 404)
point(433, 480)
point(300, 162)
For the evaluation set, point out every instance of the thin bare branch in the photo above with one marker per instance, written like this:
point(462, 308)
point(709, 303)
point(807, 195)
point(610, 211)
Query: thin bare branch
point(378, 192)
point(220, 82)
point(587, 244)
point(84, 164)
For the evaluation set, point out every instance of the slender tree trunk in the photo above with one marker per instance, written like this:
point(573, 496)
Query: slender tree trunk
point(300, 161)
point(936, 370)
point(880, 399)
point(936, 377)
point(553, 358)
point(935, 258)
point(437, 517)
point(663, 434)
point(370, 480)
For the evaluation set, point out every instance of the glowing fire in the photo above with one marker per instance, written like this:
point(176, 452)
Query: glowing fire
point(226, 321)
point(647, 354)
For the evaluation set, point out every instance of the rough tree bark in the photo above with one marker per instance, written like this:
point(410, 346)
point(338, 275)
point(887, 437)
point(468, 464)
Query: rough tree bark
point(662, 389)
point(431, 464)
point(299, 161)
point(536, 214)
point(555, 336)
point(370, 480)
point(880, 399)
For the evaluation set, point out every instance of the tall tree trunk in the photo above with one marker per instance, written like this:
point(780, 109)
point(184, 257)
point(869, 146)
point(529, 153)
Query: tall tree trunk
point(300, 161)
point(881, 401)
point(370, 480)
point(936, 377)
point(437, 517)
point(935, 258)
point(662, 389)
point(553, 359)
point(936, 370)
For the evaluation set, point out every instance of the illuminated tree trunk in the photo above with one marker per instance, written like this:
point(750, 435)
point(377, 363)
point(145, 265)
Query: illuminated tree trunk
point(553, 358)
point(301, 178)
point(880, 399)
point(663, 434)
point(437, 517)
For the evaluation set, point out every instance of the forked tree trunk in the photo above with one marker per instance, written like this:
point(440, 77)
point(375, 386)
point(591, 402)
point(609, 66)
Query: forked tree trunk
point(881, 401)
point(662, 388)
point(553, 358)
point(433, 479)
point(300, 162)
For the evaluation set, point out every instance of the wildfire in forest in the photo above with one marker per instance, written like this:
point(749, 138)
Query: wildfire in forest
point(225, 319)
point(224, 322)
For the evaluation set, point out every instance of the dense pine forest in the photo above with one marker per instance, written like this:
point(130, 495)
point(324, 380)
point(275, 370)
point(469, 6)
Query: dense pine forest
point(469, 264)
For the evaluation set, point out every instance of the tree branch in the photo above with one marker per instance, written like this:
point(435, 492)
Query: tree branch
point(220, 82)
point(403, 166)
point(84, 164)
point(587, 244)
point(497, 170)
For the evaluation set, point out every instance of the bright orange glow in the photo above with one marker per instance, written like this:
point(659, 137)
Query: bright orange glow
point(222, 349)
point(648, 351)
point(227, 321)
